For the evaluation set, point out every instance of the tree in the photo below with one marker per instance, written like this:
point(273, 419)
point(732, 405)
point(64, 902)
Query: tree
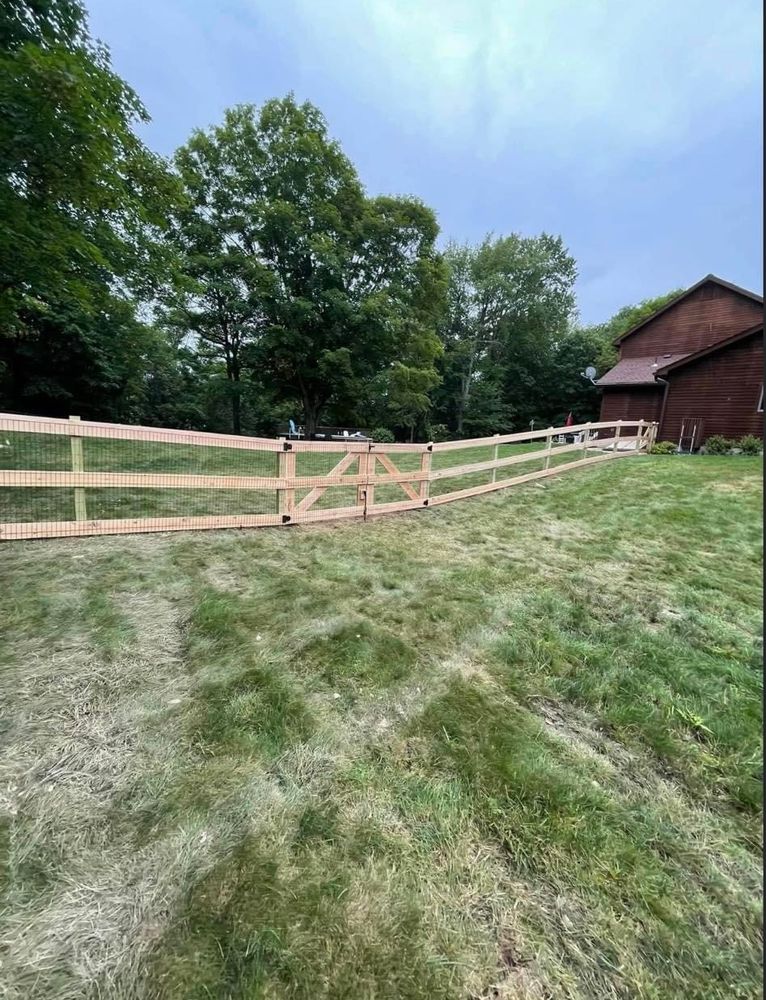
point(82, 206)
point(510, 300)
point(292, 271)
point(70, 360)
point(219, 299)
point(564, 388)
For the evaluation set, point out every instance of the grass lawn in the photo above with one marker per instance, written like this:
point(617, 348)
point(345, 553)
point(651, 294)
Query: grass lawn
point(505, 748)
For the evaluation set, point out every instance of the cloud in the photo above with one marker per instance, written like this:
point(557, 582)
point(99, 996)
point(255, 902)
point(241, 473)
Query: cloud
point(629, 76)
point(632, 129)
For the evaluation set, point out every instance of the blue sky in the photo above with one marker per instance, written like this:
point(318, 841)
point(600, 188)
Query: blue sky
point(633, 130)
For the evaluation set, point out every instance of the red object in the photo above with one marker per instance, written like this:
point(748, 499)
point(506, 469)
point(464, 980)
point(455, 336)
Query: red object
point(568, 422)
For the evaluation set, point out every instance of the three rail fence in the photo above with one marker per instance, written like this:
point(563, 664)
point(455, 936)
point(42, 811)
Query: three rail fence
point(73, 477)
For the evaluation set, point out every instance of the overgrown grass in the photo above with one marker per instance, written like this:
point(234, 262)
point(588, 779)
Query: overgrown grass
point(504, 748)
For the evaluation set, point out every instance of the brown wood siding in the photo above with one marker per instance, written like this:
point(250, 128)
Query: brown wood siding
point(722, 389)
point(709, 315)
point(634, 403)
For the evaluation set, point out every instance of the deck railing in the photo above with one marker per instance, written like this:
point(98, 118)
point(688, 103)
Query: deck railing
point(73, 477)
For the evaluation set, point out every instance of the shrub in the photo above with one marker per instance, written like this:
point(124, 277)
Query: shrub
point(664, 448)
point(750, 445)
point(717, 444)
point(383, 434)
point(440, 432)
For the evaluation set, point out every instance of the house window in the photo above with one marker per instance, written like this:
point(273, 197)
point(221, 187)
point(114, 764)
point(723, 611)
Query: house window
point(760, 401)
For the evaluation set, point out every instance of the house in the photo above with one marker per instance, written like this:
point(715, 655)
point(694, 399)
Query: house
point(695, 366)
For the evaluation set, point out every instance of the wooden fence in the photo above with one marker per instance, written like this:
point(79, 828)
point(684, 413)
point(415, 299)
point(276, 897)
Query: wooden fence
point(70, 477)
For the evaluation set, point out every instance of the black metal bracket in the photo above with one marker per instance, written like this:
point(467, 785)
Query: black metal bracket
point(287, 446)
point(286, 518)
point(425, 503)
point(430, 447)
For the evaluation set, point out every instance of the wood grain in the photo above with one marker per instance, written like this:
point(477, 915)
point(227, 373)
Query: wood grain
point(415, 484)
point(78, 465)
point(540, 474)
point(517, 437)
point(395, 476)
point(286, 494)
point(312, 497)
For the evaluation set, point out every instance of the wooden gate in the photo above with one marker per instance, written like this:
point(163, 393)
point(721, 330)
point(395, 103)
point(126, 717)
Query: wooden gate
point(62, 477)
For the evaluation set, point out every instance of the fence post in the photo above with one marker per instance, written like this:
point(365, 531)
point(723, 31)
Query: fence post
point(286, 470)
point(648, 432)
point(548, 448)
point(365, 492)
point(78, 465)
point(495, 456)
point(617, 433)
point(425, 466)
point(585, 440)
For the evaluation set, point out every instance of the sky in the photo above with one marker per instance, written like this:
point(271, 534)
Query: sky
point(633, 130)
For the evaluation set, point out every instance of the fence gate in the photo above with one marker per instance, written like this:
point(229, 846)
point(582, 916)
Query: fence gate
point(62, 477)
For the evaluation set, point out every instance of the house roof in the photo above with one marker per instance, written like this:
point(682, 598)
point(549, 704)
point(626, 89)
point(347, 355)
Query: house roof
point(638, 371)
point(642, 371)
point(686, 359)
point(679, 298)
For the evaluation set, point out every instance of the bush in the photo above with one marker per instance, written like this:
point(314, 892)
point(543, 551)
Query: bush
point(383, 435)
point(750, 445)
point(664, 448)
point(717, 444)
point(440, 432)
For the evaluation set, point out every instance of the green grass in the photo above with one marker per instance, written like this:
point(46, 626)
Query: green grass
point(508, 747)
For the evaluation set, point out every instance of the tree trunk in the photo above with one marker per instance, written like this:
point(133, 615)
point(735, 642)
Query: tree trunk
point(311, 409)
point(462, 402)
point(233, 373)
point(465, 390)
point(236, 408)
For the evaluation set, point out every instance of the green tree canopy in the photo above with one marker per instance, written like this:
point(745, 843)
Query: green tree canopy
point(291, 270)
point(510, 300)
point(81, 197)
point(82, 205)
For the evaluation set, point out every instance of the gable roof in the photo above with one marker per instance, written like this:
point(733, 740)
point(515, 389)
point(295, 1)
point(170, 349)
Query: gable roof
point(679, 298)
point(643, 371)
point(686, 359)
point(637, 371)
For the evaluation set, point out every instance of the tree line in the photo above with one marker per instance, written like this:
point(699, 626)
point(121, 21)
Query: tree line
point(250, 278)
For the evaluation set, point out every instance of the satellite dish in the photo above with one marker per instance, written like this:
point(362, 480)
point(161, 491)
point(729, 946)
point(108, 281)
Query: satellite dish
point(590, 372)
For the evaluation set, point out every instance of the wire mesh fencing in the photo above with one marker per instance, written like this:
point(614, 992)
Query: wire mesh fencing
point(62, 477)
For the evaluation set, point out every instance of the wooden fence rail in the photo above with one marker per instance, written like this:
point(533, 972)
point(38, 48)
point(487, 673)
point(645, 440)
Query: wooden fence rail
point(159, 479)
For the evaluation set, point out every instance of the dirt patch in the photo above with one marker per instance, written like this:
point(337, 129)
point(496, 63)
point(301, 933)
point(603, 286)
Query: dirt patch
point(633, 772)
point(581, 735)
